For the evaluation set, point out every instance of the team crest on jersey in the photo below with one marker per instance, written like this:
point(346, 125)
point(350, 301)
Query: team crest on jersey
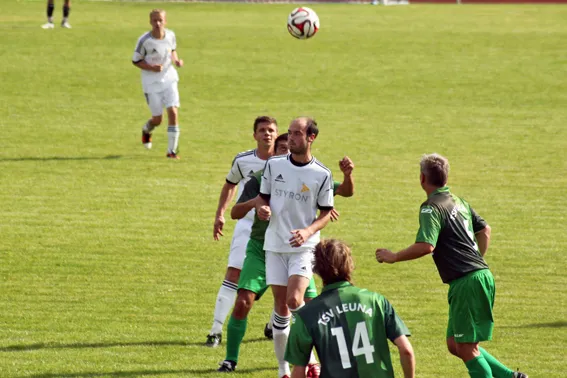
point(279, 178)
point(304, 188)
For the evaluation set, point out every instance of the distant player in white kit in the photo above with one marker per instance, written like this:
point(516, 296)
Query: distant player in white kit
point(293, 188)
point(155, 55)
point(243, 167)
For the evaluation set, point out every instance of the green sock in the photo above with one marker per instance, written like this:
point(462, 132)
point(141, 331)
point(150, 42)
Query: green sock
point(479, 368)
point(498, 370)
point(234, 335)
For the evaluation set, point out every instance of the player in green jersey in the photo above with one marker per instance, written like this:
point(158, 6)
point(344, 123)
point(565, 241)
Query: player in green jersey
point(458, 238)
point(348, 326)
point(252, 282)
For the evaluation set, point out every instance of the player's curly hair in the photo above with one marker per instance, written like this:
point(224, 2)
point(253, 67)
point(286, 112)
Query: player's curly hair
point(333, 261)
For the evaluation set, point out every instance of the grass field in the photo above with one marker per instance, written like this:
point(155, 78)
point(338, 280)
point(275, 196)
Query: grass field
point(107, 263)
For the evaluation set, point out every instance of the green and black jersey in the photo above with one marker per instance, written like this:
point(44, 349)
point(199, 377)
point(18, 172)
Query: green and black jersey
point(449, 224)
point(349, 327)
point(251, 190)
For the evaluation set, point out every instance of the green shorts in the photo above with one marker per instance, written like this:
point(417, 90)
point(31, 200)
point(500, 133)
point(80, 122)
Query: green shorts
point(471, 299)
point(253, 273)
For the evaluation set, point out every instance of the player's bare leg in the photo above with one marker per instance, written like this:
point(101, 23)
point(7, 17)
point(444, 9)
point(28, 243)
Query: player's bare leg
point(225, 301)
point(66, 10)
point(50, 8)
point(282, 317)
point(296, 287)
point(172, 133)
point(236, 329)
point(147, 130)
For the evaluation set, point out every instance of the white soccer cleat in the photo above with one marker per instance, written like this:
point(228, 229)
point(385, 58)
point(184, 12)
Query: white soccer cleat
point(48, 25)
point(65, 25)
point(148, 145)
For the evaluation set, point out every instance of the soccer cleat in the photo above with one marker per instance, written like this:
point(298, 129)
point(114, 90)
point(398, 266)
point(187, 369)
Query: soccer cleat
point(173, 155)
point(65, 25)
point(147, 139)
point(268, 332)
point(214, 339)
point(518, 374)
point(227, 366)
point(48, 25)
point(313, 371)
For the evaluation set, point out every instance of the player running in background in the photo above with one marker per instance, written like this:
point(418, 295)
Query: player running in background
point(348, 326)
point(293, 188)
point(243, 167)
point(458, 238)
point(66, 10)
point(156, 55)
point(252, 283)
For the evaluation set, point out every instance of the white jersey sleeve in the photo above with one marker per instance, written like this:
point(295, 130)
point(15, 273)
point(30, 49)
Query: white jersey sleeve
point(266, 184)
point(140, 50)
point(325, 198)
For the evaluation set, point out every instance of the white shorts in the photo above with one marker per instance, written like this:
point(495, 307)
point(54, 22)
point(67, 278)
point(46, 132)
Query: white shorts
point(165, 99)
point(239, 241)
point(281, 266)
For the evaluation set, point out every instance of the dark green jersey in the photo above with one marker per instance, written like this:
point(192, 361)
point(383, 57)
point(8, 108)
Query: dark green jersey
point(251, 190)
point(349, 327)
point(448, 223)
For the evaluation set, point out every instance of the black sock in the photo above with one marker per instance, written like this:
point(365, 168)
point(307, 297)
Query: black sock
point(50, 8)
point(66, 11)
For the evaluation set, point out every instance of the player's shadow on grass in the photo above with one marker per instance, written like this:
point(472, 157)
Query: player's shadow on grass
point(558, 324)
point(38, 346)
point(141, 373)
point(63, 158)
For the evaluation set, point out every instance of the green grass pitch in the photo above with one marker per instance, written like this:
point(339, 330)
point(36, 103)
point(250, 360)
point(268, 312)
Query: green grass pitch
point(107, 263)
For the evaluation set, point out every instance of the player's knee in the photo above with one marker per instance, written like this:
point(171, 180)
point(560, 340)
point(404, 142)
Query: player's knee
point(293, 302)
point(156, 120)
point(242, 307)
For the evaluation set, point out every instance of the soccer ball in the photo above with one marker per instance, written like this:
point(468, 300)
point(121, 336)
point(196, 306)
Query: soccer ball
point(302, 23)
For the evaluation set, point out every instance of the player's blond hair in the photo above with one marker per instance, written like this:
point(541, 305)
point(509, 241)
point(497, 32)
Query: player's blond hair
point(333, 261)
point(435, 168)
point(157, 10)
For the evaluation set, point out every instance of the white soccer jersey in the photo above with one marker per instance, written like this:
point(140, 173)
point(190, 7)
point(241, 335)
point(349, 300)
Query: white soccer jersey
point(156, 51)
point(296, 192)
point(244, 165)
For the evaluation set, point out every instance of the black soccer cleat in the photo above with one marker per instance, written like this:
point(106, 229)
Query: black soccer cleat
point(518, 374)
point(227, 366)
point(213, 340)
point(268, 332)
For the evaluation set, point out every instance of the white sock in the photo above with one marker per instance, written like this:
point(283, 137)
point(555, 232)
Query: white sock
point(64, 19)
point(50, 20)
point(281, 333)
point(271, 321)
point(173, 139)
point(148, 128)
point(225, 300)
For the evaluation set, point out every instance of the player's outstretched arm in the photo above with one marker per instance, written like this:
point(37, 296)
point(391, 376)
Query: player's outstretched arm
point(226, 196)
point(240, 210)
point(407, 357)
point(414, 251)
point(483, 239)
point(346, 188)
